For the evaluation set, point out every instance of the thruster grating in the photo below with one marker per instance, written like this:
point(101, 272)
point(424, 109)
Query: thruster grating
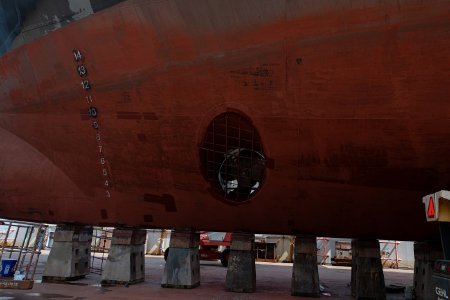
point(232, 157)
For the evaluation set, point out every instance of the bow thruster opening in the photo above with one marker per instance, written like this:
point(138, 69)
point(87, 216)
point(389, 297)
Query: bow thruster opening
point(232, 157)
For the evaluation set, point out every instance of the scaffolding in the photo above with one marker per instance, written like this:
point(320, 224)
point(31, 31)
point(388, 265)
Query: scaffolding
point(20, 246)
point(322, 250)
point(386, 254)
point(101, 244)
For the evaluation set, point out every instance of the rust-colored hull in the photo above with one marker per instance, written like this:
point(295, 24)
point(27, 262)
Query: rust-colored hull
point(349, 99)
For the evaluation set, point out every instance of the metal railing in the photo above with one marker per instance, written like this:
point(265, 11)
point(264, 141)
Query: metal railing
point(23, 242)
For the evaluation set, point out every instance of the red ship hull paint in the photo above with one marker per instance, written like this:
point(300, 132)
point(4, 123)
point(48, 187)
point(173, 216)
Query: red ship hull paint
point(350, 102)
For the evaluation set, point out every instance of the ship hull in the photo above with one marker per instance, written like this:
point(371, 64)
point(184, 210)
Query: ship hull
point(349, 102)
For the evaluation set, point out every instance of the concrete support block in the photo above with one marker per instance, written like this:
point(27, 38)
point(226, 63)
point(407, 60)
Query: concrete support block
point(305, 273)
point(182, 269)
point(126, 258)
point(241, 272)
point(425, 254)
point(367, 270)
point(70, 255)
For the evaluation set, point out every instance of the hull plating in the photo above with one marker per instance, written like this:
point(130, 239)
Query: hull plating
point(350, 102)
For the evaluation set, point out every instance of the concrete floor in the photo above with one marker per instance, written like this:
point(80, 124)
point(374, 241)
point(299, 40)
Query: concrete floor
point(273, 282)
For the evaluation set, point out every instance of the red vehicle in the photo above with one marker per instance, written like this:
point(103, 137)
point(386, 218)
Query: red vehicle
point(213, 246)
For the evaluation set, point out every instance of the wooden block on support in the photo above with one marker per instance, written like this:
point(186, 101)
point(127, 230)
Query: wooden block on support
point(16, 284)
point(184, 239)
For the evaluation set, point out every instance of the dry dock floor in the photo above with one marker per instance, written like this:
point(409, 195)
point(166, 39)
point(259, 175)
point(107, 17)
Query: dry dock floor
point(272, 282)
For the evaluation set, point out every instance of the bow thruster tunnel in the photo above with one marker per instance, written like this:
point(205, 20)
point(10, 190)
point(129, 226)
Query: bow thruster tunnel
point(232, 157)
